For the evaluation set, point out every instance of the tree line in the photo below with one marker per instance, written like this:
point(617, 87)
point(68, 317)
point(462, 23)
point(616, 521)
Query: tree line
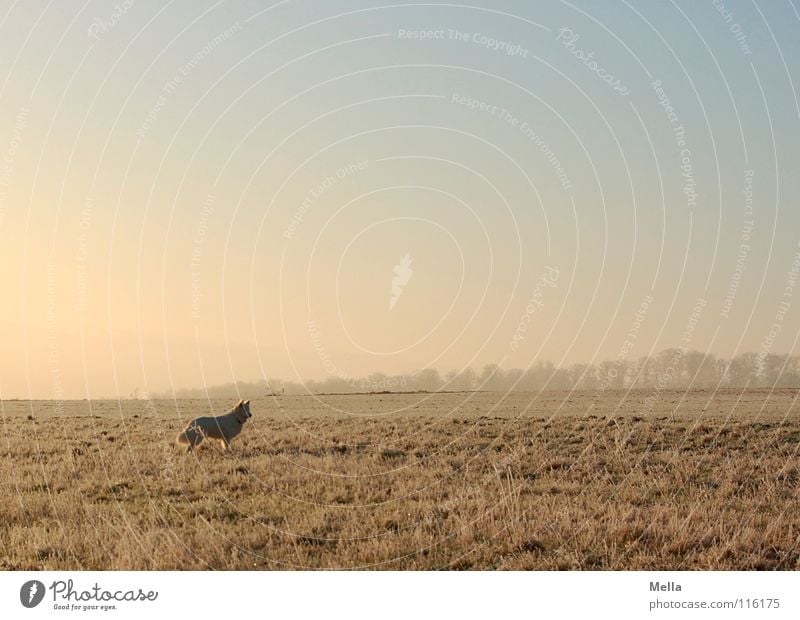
point(668, 369)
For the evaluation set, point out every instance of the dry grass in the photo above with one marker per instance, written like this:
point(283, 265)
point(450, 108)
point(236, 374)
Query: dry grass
point(417, 481)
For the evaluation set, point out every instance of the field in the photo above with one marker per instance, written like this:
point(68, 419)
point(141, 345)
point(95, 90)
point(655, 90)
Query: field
point(408, 481)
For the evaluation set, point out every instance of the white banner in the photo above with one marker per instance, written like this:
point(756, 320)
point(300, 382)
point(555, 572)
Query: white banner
point(401, 595)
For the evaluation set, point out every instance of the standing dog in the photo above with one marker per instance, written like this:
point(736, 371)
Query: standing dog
point(222, 428)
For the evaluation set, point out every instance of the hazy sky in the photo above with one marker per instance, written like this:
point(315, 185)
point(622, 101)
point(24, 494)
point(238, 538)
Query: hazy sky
point(196, 192)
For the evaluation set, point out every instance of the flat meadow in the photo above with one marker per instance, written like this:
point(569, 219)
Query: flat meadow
point(471, 480)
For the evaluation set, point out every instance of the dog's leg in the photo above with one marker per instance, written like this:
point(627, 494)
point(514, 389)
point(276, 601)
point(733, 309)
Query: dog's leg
point(184, 440)
point(193, 438)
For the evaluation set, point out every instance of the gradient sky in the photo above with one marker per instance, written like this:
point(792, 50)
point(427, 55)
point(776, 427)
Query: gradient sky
point(200, 192)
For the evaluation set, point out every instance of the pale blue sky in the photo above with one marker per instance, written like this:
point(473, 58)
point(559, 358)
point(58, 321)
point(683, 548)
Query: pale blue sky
point(116, 128)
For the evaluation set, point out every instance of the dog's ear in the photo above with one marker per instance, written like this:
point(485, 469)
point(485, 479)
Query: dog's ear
point(240, 403)
point(247, 403)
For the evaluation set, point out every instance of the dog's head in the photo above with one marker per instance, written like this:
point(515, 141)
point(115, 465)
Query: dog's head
point(242, 411)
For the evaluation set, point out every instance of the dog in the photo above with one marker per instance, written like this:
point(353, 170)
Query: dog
point(222, 428)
